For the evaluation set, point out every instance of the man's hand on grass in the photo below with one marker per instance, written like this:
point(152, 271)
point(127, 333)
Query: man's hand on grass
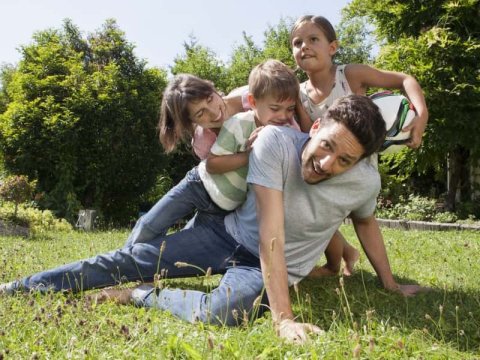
point(296, 332)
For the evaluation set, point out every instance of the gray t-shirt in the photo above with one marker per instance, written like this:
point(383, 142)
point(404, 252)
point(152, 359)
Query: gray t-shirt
point(312, 212)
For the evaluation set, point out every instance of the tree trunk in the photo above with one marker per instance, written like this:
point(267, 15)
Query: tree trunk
point(458, 177)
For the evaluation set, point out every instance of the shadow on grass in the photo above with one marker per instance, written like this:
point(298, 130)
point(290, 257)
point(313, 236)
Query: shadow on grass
point(447, 315)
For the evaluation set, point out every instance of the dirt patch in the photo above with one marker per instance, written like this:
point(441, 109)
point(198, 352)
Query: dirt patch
point(10, 229)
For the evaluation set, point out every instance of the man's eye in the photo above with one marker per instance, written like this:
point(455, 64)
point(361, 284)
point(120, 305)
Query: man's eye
point(344, 162)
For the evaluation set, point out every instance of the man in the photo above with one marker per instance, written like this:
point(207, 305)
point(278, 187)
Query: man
point(302, 188)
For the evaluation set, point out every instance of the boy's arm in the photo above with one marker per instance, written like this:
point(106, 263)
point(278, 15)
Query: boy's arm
point(270, 215)
point(371, 238)
point(360, 77)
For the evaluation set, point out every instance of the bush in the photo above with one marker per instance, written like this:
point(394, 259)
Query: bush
point(17, 189)
point(417, 208)
point(38, 221)
point(445, 217)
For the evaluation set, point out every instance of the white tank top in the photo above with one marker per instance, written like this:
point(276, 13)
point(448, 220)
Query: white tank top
point(340, 88)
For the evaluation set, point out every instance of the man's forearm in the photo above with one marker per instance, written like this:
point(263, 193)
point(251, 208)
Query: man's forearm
point(371, 238)
point(275, 277)
point(272, 256)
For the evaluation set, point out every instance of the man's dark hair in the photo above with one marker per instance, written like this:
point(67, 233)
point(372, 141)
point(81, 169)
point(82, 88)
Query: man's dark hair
point(362, 117)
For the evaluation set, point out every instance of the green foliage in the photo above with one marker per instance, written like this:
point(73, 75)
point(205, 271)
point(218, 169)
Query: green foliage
point(356, 41)
point(445, 217)
point(202, 62)
point(243, 59)
point(438, 42)
point(162, 185)
point(277, 43)
point(17, 189)
point(81, 118)
point(412, 208)
point(39, 222)
point(419, 208)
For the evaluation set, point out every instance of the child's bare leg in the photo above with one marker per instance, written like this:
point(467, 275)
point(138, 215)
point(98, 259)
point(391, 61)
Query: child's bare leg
point(350, 255)
point(118, 296)
point(333, 253)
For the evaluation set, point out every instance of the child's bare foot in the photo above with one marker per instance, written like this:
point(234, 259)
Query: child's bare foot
point(119, 296)
point(350, 256)
point(322, 271)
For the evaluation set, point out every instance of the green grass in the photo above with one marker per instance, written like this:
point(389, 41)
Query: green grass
point(360, 318)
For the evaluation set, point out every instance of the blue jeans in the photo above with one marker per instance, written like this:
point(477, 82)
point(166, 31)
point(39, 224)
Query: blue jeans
point(207, 245)
point(187, 196)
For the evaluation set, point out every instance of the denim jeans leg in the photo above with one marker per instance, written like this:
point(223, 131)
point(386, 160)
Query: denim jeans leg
point(208, 245)
point(239, 296)
point(182, 200)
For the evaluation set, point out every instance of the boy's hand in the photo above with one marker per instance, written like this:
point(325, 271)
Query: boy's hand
point(252, 137)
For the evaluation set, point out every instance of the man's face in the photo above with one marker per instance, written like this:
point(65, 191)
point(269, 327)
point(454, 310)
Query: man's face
point(332, 150)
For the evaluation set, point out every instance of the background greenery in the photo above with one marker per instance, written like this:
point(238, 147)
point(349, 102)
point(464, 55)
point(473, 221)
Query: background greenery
point(78, 114)
point(361, 319)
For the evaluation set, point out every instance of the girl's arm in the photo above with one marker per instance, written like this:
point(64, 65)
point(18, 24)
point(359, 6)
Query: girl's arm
point(303, 118)
point(235, 101)
point(219, 164)
point(360, 77)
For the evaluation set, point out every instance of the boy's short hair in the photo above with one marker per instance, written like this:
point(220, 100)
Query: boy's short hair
point(273, 78)
point(362, 117)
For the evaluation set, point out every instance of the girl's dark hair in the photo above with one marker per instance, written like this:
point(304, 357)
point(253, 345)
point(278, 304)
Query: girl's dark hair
point(175, 124)
point(322, 23)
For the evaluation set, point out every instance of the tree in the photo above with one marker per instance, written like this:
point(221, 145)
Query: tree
point(81, 118)
point(438, 42)
point(202, 62)
point(243, 59)
point(17, 189)
point(356, 42)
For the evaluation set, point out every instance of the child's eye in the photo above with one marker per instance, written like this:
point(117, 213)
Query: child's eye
point(297, 43)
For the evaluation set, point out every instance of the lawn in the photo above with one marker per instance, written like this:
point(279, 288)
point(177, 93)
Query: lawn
point(361, 320)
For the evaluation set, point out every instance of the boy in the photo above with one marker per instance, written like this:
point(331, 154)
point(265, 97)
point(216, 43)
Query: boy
point(273, 92)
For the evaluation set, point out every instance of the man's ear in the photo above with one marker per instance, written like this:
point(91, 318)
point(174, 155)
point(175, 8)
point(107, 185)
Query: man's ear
point(251, 101)
point(315, 127)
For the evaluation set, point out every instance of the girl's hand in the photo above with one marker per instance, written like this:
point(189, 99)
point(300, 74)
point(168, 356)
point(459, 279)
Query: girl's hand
point(416, 128)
